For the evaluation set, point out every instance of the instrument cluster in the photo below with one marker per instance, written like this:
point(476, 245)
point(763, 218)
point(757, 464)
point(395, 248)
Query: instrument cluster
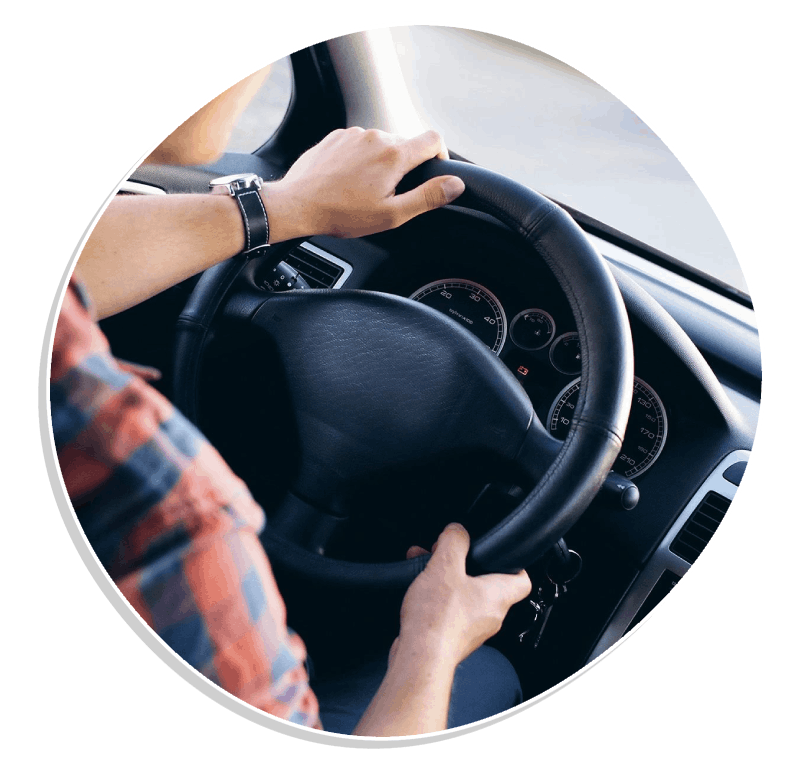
point(542, 350)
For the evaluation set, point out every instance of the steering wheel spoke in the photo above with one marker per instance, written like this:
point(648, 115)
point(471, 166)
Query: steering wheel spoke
point(539, 450)
point(304, 525)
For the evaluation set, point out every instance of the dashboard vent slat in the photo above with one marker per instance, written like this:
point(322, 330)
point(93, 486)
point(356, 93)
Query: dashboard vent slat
point(317, 271)
point(699, 528)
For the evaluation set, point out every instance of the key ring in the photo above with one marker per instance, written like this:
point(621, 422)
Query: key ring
point(578, 564)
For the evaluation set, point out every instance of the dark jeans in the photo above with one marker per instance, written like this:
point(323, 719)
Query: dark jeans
point(485, 684)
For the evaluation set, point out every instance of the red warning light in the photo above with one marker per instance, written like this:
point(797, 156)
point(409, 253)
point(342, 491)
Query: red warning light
point(522, 370)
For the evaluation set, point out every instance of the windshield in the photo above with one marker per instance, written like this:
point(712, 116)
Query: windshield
point(264, 113)
point(537, 120)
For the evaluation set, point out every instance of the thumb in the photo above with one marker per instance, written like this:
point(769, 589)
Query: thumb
point(452, 547)
point(430, 195)
point(508, 588)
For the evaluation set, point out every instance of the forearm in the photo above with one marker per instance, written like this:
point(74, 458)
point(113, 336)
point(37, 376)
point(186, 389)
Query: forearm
point(413, 697)
point(143, 245)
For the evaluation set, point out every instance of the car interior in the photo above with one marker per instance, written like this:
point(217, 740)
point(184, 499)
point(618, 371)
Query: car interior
point(470, 365)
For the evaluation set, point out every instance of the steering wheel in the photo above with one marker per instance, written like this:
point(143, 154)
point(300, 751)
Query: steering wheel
point(378, 381)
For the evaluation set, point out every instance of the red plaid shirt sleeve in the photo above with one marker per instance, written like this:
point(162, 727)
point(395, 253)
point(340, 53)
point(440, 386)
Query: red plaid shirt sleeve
point(174, 527)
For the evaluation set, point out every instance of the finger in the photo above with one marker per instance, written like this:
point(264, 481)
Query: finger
point(415, 551)
point(430, 195)
point(443, 153)
point(428, 145)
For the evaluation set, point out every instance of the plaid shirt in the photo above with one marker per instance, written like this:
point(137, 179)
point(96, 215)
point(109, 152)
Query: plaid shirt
point(172, 525)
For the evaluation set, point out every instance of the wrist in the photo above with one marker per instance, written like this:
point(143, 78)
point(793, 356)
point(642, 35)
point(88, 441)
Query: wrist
point(425, 649)
point(227, 221)
point(287, 217)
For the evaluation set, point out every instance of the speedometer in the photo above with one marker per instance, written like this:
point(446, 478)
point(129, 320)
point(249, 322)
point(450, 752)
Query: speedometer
point(469, 304)
point(645, 434)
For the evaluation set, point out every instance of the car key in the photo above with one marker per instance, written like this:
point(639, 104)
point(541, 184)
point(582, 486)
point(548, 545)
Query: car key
point(543, 607)
point(569, 565)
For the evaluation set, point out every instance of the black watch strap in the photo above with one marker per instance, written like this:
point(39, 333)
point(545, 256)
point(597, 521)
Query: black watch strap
point(255, 220)
point(246, 192)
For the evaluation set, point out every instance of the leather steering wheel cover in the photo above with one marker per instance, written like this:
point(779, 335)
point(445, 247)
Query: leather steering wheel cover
point(598, 427)
point(192, 329)
point(571, 482)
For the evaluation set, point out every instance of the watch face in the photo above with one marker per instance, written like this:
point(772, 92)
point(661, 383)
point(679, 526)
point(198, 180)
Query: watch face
point(237, 182)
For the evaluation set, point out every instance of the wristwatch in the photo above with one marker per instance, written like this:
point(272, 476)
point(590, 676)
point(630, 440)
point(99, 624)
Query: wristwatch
point(245, 189)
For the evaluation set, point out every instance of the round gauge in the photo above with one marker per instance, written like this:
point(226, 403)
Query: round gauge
point(532, 329)
point(469, 304)
point(645, 434)
point(565, 354)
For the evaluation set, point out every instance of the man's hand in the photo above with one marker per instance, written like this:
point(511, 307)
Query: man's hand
point(345, 185)
point(450, 613)
point(445, 616)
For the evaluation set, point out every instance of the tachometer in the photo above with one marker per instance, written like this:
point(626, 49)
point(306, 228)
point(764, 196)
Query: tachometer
point(645, 434)
point(469, 304)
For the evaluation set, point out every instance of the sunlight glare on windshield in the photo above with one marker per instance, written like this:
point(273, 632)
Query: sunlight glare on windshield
point(541, 122)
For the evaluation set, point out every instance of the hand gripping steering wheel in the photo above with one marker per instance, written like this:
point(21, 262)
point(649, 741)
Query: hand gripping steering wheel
point(378, 381)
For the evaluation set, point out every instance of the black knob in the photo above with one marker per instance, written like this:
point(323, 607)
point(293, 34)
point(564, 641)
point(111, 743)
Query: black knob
point(619, 492)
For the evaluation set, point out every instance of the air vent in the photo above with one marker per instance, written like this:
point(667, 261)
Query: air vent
point(317, 271)
point(700, 527)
